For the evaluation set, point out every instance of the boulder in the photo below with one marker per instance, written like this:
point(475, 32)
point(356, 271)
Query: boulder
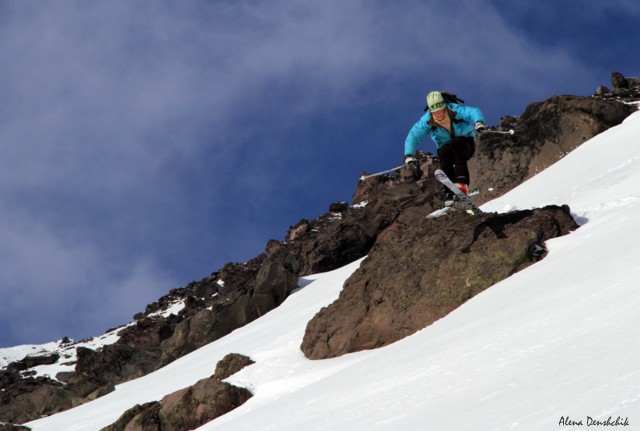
point(42, 400)
point(141, 417)
point(619, 81)
point(12, 427)
point(191, 407)
point(97, 372)
point(420, 271)
point(206, 400)
point(231, 364)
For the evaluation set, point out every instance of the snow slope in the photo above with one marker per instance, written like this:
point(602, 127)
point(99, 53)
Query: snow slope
point(550, 347)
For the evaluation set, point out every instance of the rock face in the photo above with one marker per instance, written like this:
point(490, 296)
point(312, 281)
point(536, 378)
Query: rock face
point(23, 399)
point(546, 132)
point(191, 407)
point(11, 427)
point(231, 364)
point(437, 266)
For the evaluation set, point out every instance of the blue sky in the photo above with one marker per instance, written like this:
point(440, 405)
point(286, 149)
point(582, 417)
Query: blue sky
point(146, 144)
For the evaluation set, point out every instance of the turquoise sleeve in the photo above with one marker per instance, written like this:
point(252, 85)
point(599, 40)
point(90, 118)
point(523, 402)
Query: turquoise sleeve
point(470, 114)
point(417, 133)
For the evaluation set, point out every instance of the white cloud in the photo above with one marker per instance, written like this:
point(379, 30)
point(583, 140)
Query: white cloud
point(51, 281)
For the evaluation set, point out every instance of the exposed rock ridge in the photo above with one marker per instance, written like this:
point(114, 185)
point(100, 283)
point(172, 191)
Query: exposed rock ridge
point(419, 272)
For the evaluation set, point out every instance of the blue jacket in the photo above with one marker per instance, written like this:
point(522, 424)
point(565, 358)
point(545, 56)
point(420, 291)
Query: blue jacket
point(463, 121)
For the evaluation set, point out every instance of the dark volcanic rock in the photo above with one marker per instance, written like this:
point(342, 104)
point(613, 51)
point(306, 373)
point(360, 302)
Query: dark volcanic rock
point(141, 417)
point(546, 132)
point(231, 364)
point(98, 372)
point(191, 407)
point(268, 287)
point(183, 410)
point(13, 427)
point(22, 402)
point(420, 271)
point(30, 361)
point(206, 400)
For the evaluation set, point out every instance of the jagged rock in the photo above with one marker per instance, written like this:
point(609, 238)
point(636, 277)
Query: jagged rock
point(338, 207)
point(42, 400)
point(183, 410)
point(98, 372)
point(419, 271)
point(24, 399)
point(30, 361)
point(190, 407)
point(624, 89)
point(141, 417)
point(231, 364)
point(270, 286)
point(276, 279)
point(65, 376)
point(13, 427)
point(618, 80)
point(206, 400)
point(545, 133)
point(148, 333)
point(207, 325)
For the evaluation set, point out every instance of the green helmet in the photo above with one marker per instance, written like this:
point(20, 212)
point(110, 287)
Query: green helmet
point(435, 102)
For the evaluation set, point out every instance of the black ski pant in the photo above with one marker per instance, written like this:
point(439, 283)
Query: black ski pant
point(453, 158)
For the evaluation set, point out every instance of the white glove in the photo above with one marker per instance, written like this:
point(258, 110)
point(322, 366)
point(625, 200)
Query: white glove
point(410, 160)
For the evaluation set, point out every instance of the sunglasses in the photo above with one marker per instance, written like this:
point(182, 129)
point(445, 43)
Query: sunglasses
point(437, 106)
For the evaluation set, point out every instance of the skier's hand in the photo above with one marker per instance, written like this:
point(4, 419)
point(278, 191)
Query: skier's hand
point(480, 127)
point(410, 161)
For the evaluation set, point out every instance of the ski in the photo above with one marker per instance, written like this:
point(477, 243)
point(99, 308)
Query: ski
point(440, 212)
point(465, 199)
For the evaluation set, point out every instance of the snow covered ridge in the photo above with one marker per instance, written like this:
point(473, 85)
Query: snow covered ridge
point(60, 355)
point(552, 343)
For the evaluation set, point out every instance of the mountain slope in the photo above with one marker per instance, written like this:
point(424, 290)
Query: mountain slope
point(552, 344)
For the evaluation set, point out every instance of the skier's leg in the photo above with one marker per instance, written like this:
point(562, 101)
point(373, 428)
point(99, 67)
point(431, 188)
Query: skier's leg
point(463, 149)
point(447, 160)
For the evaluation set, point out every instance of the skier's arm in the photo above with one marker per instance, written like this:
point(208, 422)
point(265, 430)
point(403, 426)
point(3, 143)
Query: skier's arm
point(417, 133)
point(470, 114)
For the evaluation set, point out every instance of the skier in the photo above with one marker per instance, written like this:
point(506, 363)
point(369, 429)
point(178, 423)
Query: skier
point(453, 128)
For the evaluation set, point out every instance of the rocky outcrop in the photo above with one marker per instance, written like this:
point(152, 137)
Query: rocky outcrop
point(437, 266)
point(624, 89)
point(97, 373)
point(12, 427)
point(25, 399)
point(183, 410)
point(546, 132)
point(231, 364)
point(191, 407)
